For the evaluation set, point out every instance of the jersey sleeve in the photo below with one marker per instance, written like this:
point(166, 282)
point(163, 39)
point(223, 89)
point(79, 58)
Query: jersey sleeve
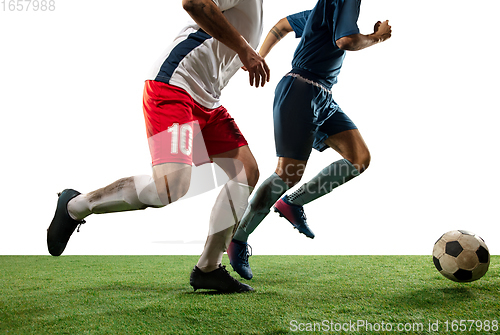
point(227, 4)
point(298, 22)
point(347, 19)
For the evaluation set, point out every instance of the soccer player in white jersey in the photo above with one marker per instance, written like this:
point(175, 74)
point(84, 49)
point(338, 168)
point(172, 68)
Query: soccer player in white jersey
point(186, 124)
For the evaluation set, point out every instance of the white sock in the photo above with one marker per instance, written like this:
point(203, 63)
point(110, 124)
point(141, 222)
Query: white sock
point(226, 213)
point(266, 195)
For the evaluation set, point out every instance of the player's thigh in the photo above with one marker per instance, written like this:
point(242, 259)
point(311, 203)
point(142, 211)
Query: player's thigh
point(340, 133)
point(172, 180)
point(169, 123)
point(228, 148)
point(169, 126)
point(239, 164)
point(295, 120)
point(351, 145)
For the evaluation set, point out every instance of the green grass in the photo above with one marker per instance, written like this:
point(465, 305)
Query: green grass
point(151, 295)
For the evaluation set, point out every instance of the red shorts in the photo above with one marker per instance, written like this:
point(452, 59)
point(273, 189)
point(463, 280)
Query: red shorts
point(180, 130)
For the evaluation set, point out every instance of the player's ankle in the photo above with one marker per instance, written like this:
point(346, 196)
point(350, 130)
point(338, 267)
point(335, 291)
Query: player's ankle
point(208, 268)
point(78, 208)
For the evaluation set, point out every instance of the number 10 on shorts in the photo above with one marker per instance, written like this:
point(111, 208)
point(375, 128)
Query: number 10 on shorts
point(182, 138)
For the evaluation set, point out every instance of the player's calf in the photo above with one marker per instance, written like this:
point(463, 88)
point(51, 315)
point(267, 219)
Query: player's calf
point(126, 194)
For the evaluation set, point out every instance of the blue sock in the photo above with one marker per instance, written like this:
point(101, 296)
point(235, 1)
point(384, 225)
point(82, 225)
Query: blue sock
point(329, 178)
point(258, 208)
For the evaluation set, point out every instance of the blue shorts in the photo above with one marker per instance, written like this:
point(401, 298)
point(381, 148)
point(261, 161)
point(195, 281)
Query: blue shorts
point(305, 115)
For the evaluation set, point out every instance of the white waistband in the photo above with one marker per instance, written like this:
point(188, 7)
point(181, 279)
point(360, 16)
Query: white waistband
point(295, 75)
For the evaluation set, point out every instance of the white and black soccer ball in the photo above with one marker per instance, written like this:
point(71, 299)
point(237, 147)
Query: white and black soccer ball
point(461, 256)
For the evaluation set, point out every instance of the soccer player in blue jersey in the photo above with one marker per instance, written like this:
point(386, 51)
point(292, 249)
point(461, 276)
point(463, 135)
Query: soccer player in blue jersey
point(306, 117)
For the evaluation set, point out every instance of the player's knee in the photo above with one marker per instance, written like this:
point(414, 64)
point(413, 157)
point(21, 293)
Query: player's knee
point(293, 180)
point(178, 192)
point(289, 179)
point(145, 192)
point(366, 159)
point(290, 170)
point(253, 174)
point(172, 191)
point(361, 160)
point(172, 194)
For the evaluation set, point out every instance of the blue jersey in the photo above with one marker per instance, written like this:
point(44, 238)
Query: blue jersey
point(317, 56)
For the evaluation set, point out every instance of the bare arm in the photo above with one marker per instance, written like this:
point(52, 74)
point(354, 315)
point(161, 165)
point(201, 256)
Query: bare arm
point(210, 18)
point(382, 32)
point(280, 30)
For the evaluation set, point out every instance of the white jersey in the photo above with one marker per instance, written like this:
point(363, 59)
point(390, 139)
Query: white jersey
point(202, 65)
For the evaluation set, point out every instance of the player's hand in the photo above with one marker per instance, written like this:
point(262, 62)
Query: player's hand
point(256, 66)
point(383, 30)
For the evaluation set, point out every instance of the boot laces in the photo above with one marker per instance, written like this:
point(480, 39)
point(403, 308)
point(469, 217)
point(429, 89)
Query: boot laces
point(302, 213)
point(79, 225)
point(244, 254)
point(224, 270)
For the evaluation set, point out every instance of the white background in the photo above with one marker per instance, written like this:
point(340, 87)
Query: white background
point(71, 85)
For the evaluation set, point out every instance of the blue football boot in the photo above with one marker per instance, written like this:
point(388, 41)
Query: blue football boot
point(294, 214)
point(238, 258)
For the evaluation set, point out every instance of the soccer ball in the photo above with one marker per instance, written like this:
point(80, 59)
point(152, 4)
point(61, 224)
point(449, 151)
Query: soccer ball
point(461, 256)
